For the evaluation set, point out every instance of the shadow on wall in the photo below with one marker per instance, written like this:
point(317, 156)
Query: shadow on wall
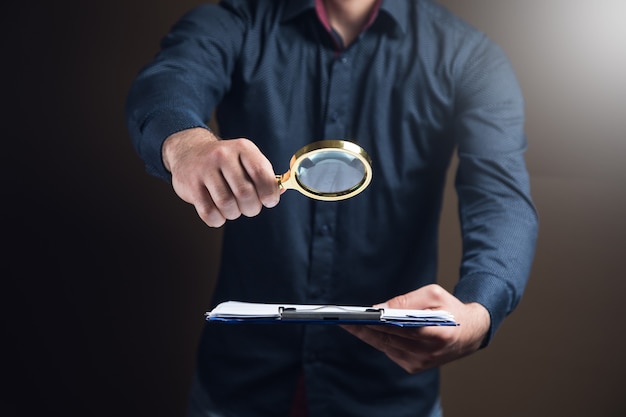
point(559, 353)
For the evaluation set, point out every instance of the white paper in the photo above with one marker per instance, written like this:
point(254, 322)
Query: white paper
point(244, 310)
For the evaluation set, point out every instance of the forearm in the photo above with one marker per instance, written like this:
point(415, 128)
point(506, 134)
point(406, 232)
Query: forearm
point(182, 86)
point(499, 227)
point(498, 220)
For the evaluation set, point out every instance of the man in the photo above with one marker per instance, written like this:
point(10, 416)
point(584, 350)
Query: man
point(411, 84)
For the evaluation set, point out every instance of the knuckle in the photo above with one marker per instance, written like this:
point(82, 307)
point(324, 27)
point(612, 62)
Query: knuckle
point(247, 199)
point(231, 212)
point(218, 153)
point(252, 210)
point(245, 144)
point(222, 199)
point(257, 171)
point(243, 190)
point(436, 290)
point(226, 205)
point(402, 301)
point(211, 216)
point(270, 200)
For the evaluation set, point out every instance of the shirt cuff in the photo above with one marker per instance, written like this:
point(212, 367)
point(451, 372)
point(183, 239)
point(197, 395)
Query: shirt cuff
point(156, 129)
point(492, 293)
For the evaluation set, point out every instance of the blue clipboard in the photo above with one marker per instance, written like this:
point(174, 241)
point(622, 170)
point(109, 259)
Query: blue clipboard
point(242, 312)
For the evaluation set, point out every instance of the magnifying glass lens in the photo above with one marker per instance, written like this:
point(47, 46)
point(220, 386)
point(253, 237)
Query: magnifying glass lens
point(330, 172)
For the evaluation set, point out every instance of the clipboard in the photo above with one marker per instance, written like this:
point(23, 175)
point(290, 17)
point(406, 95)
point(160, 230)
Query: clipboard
point(242, 312)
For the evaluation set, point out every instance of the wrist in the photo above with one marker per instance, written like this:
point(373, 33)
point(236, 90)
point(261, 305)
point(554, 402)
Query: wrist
point(481, 323)
point(179, 142)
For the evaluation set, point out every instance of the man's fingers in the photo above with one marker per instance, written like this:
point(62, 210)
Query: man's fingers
point(211, 198)
point(238, 195)
point(210, 214)
point(427, 297)
point(261, 174)
point(407, 353)
point(382, 339)
point(223, 179)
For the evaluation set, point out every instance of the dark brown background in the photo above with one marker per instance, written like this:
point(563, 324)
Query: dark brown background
point(106, 273)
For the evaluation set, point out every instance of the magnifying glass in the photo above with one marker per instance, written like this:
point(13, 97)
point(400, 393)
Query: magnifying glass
point(328, 170)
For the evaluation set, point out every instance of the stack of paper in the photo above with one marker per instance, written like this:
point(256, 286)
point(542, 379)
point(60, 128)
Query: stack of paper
point(238, 312)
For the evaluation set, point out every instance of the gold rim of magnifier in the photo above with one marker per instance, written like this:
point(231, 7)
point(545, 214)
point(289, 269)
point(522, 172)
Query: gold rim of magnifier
point(288, 180)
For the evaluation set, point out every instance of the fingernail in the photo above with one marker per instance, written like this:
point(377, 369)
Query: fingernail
point(272, 203)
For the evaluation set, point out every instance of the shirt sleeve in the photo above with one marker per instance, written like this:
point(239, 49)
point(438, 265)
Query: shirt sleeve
point(179, 89)
point(498, 220)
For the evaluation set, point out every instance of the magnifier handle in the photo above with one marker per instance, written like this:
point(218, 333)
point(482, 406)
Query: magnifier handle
point(284, 181)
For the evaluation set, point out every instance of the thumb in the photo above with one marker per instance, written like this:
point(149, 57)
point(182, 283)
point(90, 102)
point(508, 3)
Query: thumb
point(428, 297)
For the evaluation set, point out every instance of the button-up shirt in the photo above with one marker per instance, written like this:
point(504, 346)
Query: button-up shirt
point(417, 85)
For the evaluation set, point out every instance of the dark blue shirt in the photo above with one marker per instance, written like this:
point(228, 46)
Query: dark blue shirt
point(416, 86)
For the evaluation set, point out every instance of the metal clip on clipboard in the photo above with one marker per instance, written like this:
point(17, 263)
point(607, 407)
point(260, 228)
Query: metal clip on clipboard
point(242, 312)
point(329, 313)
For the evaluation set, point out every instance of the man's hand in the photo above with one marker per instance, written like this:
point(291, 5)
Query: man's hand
point(223, 179)
point(417, 349)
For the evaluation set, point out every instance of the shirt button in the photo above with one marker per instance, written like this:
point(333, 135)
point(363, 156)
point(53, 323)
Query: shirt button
point(334, 116)
point(344, 60)
point(324, 230)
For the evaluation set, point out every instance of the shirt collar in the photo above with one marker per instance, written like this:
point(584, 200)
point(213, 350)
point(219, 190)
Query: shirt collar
point(396, 9)
point(294, 8)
